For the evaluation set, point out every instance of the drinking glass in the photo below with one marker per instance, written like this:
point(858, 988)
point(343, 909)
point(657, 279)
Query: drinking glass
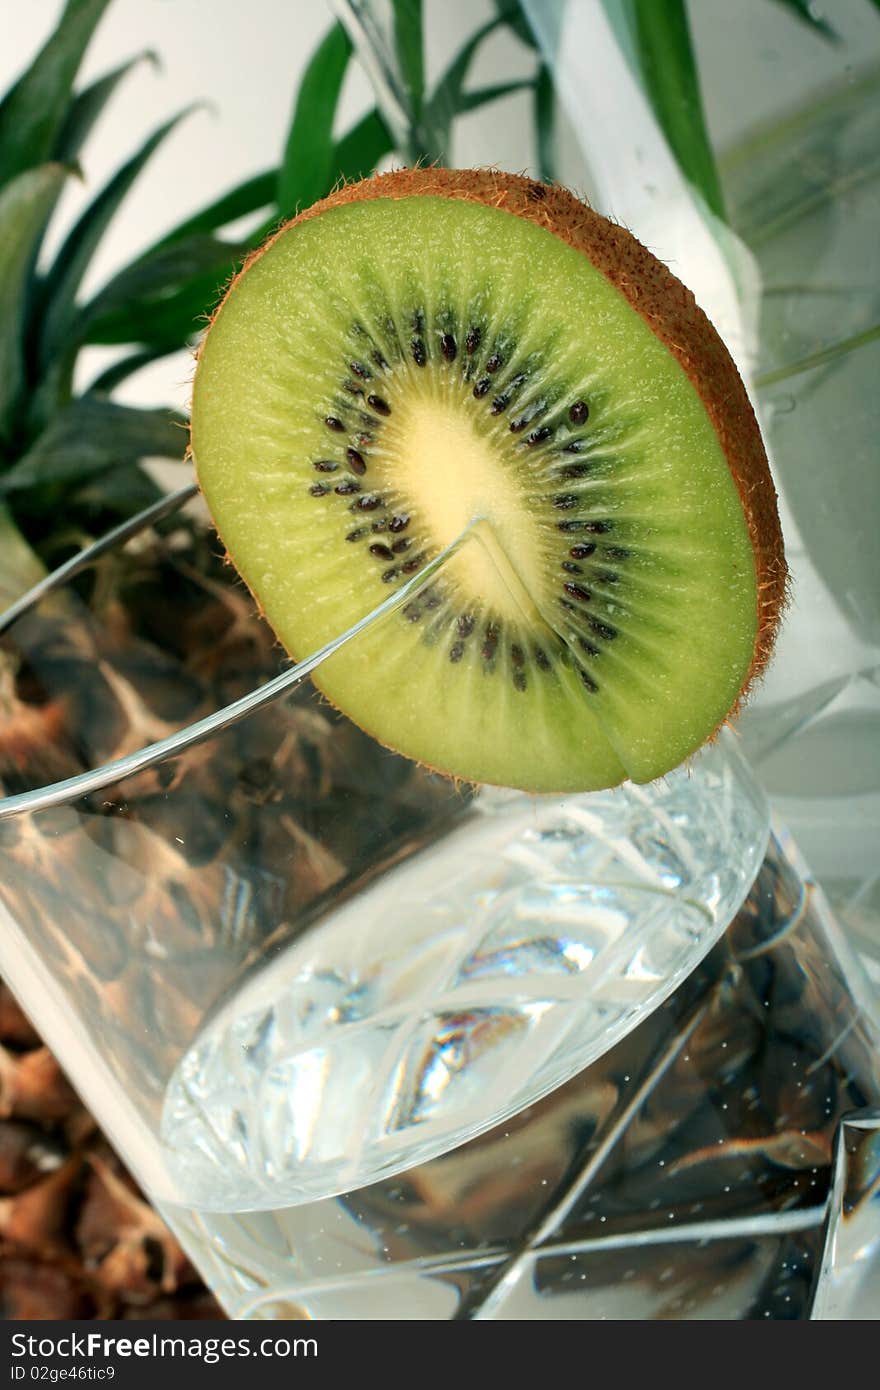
point(382, 1046)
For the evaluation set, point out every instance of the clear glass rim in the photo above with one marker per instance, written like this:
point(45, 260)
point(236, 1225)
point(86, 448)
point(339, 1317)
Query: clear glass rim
point(94, 779)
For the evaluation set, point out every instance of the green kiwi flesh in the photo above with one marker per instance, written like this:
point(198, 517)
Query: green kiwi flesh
point(397, 372)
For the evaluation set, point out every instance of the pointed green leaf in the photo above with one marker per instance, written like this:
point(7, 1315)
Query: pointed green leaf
point(545, 123)
point(360, 149)
point(410, 47)
point(511, 11)
point(444, 103)
point(307, 165)
point(87, 106)
point(162, 298)
point(24, 205)
point(803, 10)
point(161, 272)
point(471, 101)
point(167, 321)
point(91, 436)
point(63, 280)
point(666, 58)
point(251, 196)
point(33, 110)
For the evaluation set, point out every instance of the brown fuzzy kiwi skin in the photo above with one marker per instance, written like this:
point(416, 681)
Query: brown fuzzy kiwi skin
point(667, 307)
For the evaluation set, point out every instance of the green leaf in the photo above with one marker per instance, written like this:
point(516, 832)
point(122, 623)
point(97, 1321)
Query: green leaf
point(87, 106)
point(802, 9)
point(512, 13)
point(444, 103)
point(360, 149)
point(161, 272)
point(471, 101)
point(409, 43)
point(58, 294)
point(91, 436)
point(250, 196)
point(545, 124)
point(24, 206)
point(666, 58)
point(165, 321)
point(307, 165)
point(33, 110)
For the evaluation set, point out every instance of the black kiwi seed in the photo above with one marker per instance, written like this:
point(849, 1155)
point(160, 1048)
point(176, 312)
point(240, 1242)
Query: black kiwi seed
point(356, 462)
point(481, 388)
point(389, 576)
point(604, 630)
point(449, 347)
point(538, 436)
point(456, 651)
point(361, 369)
point(569, 526)
point(598, 528)
point(542, 661)
point(419, 352)
point(377, 526)
point(410, 566)
point(608, 577)
point(565, 501)
point(571, 568)
point(500, 404)
point(494, 362)
point(358, 534)
point(325, 465)
point(579, 413)
point(616, 552)
point(369, 503)
point(589, 647)
point(319, 490)
point(382, 552)
point(379, 360)
point(380, 406)
point(352, 388)
point(517, 656)
point(346, 488)
point(472, 340)
point(582, 552)
point(582, 595)
point(334, 423)
point(400, 546)
point(490, 642)
point(399, 522)
point(589, 682)
point(465, 625)
point(574, 446)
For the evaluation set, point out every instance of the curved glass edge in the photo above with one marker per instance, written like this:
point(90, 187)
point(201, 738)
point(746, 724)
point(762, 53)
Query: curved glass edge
point(57, 793)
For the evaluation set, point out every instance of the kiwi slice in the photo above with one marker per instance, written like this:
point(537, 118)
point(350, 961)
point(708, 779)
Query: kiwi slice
point(433, 353)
